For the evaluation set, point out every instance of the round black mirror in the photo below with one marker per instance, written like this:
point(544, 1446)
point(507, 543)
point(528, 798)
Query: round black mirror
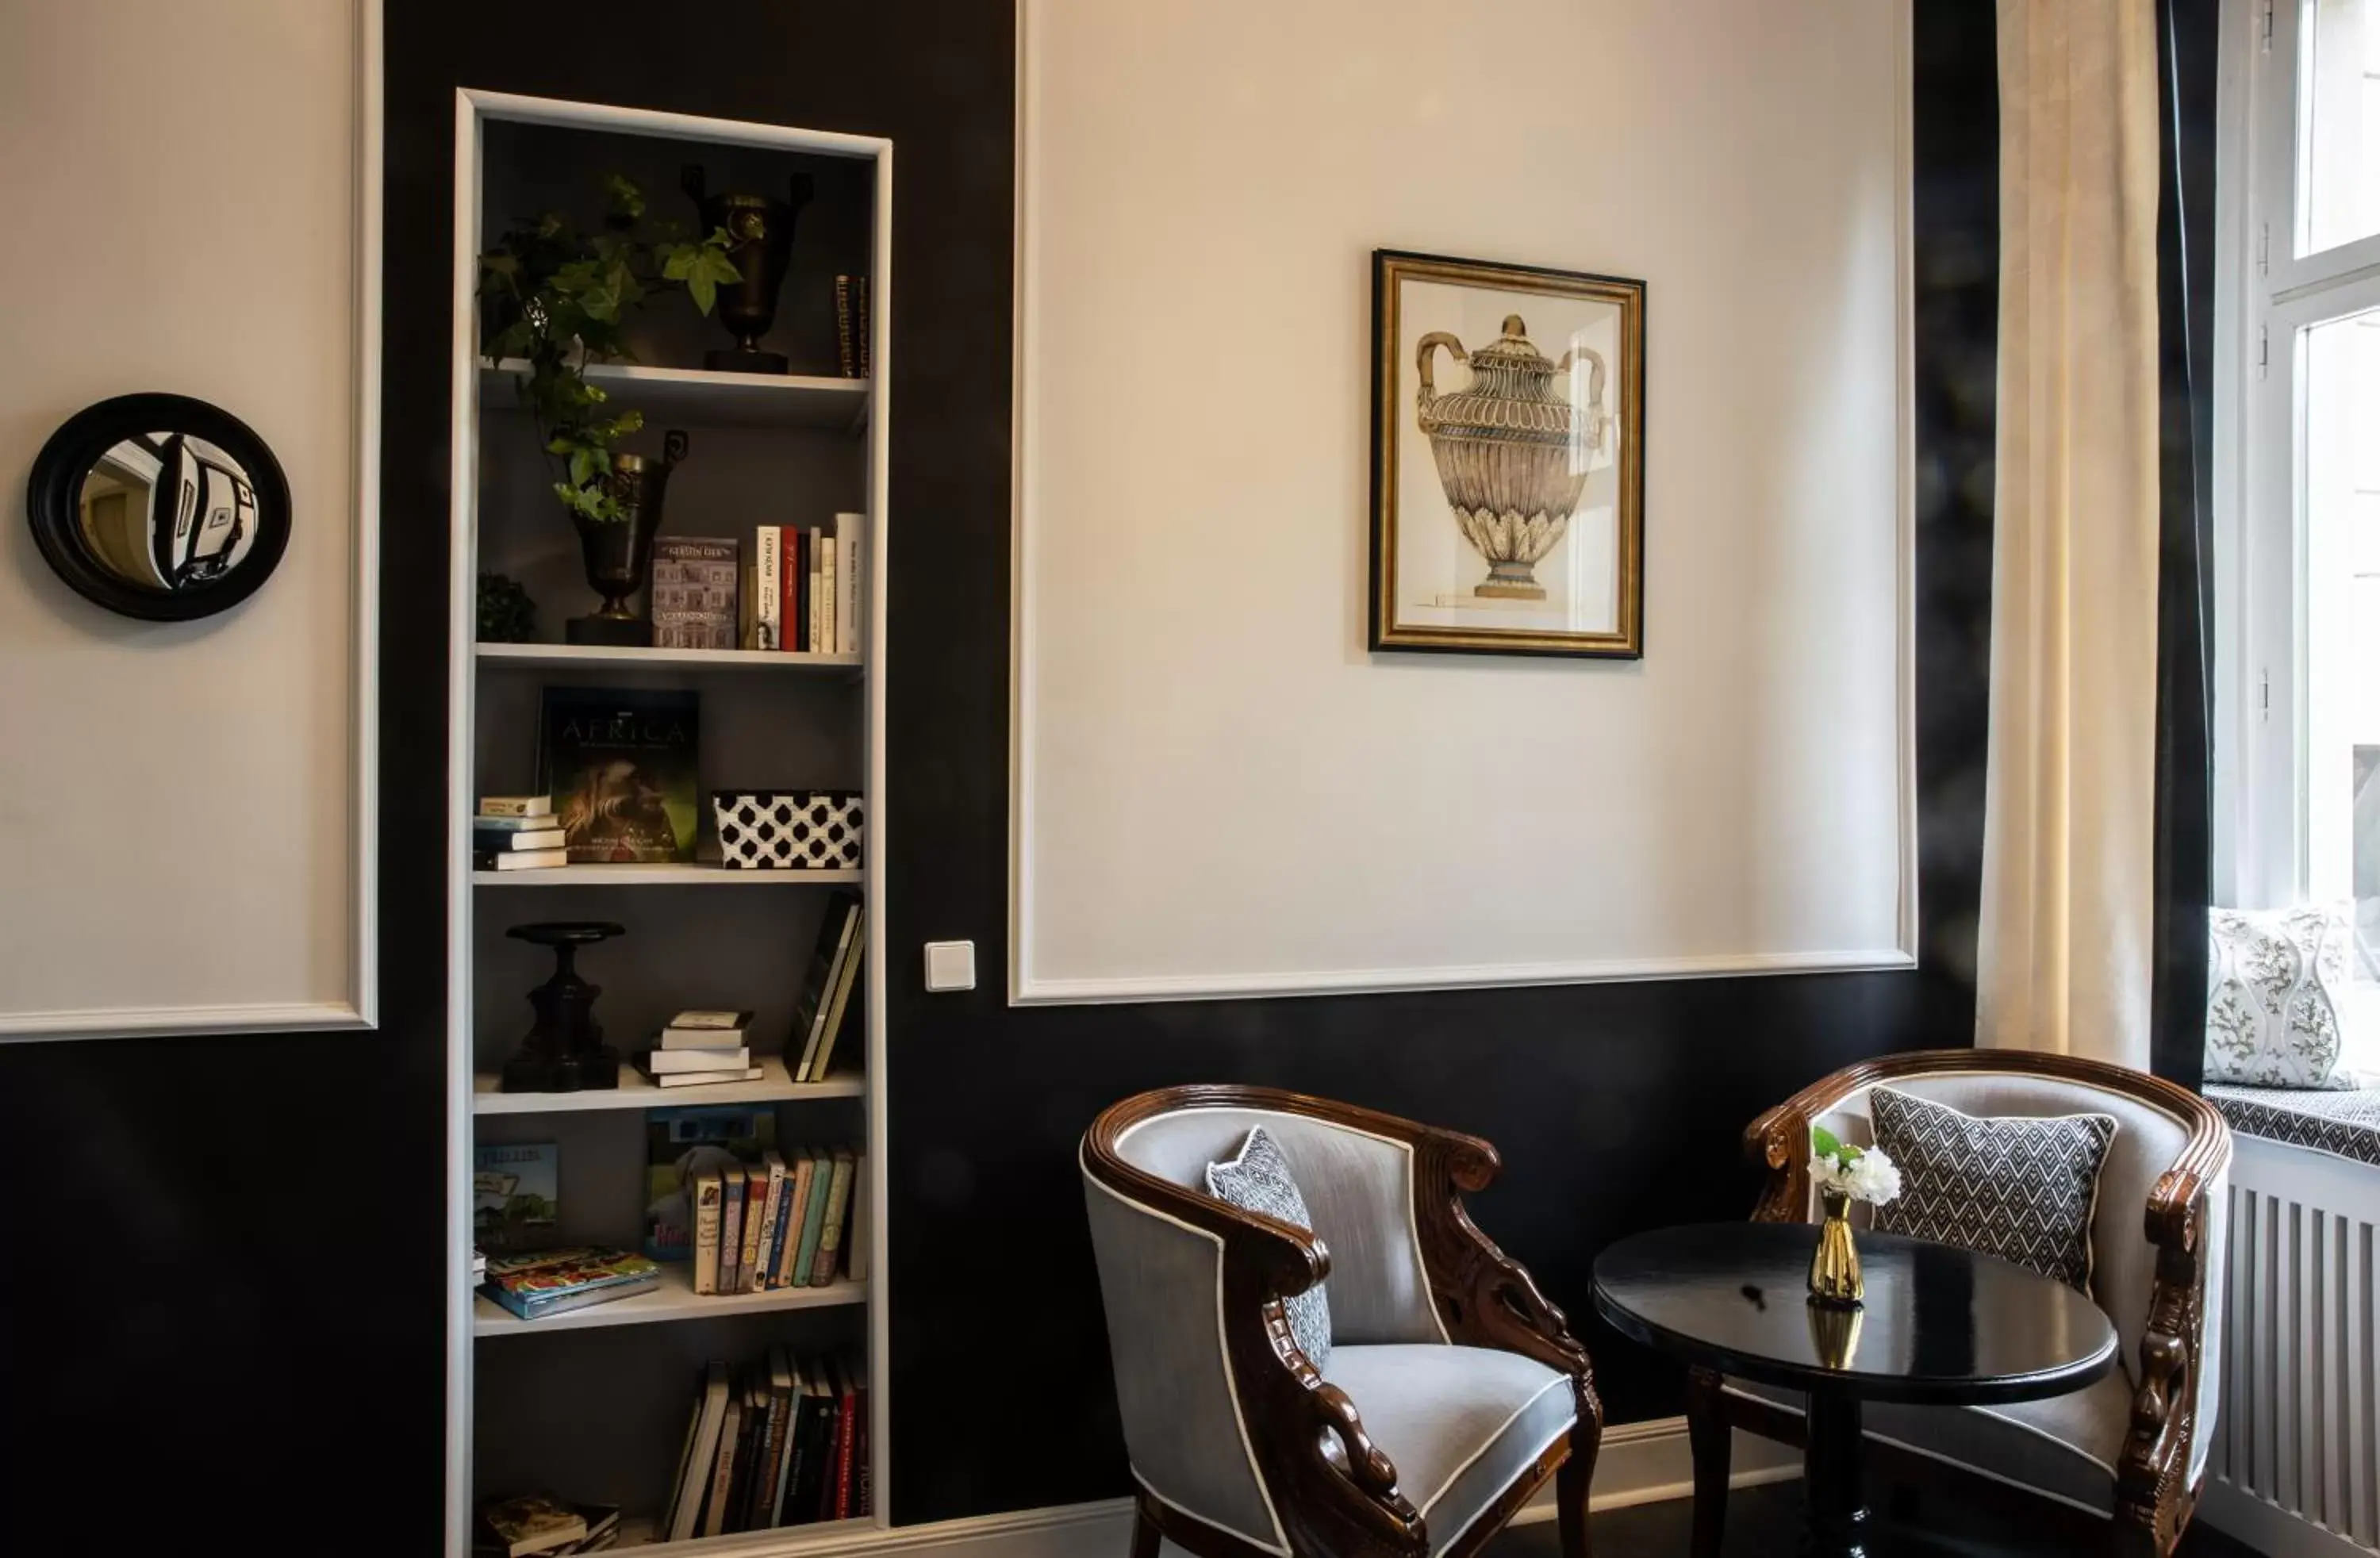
point(159, 506)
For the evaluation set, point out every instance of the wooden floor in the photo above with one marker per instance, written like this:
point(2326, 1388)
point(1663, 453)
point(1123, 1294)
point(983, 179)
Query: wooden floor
point(1767, 1523)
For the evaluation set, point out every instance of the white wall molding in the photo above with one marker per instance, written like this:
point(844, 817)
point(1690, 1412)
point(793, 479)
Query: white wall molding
point(1093, 859)
point(205, 869)
point(1641, 1463)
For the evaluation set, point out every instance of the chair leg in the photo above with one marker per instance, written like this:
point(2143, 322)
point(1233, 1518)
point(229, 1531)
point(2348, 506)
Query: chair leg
point(1571, 1485)
point(1707, 1433)
point(1143, 1530)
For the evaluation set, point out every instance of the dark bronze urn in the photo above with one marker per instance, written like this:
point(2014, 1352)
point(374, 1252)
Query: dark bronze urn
point(761, 231)
point(619, 553)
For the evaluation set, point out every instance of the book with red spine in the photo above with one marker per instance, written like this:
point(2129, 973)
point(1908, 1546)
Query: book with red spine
point(796, 574)
point(846, 1430)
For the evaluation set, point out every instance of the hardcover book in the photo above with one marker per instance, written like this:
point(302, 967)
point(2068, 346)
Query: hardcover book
point(516, 1197)
point(695, 588)
point(683, 1142)
point(622, 767)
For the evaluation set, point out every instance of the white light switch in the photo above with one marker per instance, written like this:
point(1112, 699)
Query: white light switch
point(950, 966)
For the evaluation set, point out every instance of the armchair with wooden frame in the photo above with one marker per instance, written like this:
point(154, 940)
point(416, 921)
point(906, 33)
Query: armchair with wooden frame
point(2116, 1465)
point(1452, 1390)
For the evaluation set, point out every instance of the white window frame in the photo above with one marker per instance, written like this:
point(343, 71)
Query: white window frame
point(2268, 295)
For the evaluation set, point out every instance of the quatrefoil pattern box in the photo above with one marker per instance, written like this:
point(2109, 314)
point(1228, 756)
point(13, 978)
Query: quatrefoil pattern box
point(789, 830)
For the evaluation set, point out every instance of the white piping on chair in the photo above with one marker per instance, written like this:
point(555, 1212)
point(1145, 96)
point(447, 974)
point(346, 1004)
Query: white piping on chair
point(1279, 1544)
point(1489, 1443)
point(1413, 1222)
point(1441, 1544)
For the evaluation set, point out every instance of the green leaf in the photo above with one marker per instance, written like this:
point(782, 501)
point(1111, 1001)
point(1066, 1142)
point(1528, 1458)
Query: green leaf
point(622, 198)
point(1824, 1143)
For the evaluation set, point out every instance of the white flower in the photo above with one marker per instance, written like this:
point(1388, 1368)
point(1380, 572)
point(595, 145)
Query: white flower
point(1869, 1176)
point(1874, 1179)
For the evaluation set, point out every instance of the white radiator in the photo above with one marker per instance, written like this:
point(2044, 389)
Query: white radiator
point(2294, 1471)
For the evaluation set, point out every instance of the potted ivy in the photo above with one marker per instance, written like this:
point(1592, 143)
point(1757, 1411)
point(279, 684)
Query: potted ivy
point(554, 299)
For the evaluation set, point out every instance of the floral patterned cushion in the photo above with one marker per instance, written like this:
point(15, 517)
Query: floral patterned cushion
point(1257, 1180)
point(2275, 982)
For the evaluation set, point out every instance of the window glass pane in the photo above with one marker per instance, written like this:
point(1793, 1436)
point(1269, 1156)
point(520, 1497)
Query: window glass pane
point(2341, 100)
point(2343, 623)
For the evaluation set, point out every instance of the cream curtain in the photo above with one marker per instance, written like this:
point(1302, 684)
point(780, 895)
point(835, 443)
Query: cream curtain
point(2069, 795)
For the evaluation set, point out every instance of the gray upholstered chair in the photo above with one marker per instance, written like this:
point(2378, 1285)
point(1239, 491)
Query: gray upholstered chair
point(1452, 1389)
point(2119, 1463)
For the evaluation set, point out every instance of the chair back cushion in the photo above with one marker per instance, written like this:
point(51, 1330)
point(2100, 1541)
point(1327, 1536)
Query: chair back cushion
point(2020, 1187)
point(1258, 1180)
point(1357, 1186)
point(2148, 1142)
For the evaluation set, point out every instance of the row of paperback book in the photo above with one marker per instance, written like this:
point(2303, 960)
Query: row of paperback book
point(774, 1223)
point(797, 588)
point(781, 1444)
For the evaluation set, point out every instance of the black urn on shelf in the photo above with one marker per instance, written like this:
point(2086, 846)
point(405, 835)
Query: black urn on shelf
point(760, 229)
point(619, 553)
point(563, 1051)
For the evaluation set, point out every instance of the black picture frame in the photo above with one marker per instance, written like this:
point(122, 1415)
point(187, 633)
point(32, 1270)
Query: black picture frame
point(54, 500)
point(1393, 383)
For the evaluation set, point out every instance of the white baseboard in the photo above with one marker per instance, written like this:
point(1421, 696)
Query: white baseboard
point(1641, 1463)
point(2269, 1529)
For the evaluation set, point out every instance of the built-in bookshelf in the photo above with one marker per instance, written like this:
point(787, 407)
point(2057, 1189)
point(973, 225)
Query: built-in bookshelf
point(592, 1406)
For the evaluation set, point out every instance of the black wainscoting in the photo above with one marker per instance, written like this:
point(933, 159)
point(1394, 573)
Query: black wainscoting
point(183, 1204)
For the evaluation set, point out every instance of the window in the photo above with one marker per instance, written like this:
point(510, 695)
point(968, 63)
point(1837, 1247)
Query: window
point(2298, 470)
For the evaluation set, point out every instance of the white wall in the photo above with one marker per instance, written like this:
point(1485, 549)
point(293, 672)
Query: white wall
point(1219, 789)
point(178, 802)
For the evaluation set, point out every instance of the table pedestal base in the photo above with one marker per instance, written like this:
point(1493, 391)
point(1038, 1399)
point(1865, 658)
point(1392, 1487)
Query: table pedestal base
point(1830, 1472)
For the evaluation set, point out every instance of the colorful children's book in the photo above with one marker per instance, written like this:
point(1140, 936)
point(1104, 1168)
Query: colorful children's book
point(517, 1196)
point(558, 1281)
point(681, 1143)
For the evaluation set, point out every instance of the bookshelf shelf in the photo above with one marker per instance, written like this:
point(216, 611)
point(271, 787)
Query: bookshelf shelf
point(665, 876)
point(636, 1092)
point(674, 1299)
point(555, 657)
point(689, 394)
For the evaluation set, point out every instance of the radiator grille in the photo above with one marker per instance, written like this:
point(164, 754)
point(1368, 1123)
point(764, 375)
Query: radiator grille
point(2300, 1421)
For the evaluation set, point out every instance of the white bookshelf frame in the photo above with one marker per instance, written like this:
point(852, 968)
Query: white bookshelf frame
point(466, 658)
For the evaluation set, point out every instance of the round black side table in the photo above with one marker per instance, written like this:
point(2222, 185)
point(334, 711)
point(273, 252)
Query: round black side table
point(1941, 1326)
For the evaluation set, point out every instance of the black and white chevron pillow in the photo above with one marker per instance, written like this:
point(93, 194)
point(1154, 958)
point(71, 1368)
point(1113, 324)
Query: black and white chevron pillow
point(2018, 1186)
point(1257, 1180)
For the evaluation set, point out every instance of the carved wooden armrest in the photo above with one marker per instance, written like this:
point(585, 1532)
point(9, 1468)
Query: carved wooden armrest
point(2152, 1492)
point(1484, 1297)
point(1779, 1144)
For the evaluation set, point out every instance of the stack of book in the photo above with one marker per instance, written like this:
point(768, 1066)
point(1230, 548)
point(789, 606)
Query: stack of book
point(554, 1282)
point(801, 588)
point(539, 1527)
point(699, 1048)
point(784, 1444)
point(783, 1222)
point(518, 833)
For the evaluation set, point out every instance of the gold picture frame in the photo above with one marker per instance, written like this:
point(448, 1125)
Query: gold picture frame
point(1508, 504)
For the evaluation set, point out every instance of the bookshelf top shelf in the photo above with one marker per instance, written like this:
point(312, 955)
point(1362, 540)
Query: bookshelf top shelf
point(638, 1091)
point(663, 876)
point(692, 394)
point(547, 657)
point(674, 1299)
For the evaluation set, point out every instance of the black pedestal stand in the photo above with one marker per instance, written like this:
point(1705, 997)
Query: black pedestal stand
point(563, 1053)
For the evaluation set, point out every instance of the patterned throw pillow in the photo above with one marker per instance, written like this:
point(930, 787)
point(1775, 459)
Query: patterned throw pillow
point(2273, 983)
point(2020, 1187)
point(1257, 1180)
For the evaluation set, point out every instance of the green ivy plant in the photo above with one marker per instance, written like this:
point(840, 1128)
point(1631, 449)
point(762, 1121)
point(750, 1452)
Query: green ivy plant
point(555, 296)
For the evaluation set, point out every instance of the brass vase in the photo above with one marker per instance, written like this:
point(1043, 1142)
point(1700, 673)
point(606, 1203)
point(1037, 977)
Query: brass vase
point(1835, 1268)
point(1834, 1332)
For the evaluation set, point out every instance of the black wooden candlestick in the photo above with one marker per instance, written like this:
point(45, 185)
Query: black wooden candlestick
point(563, 1052)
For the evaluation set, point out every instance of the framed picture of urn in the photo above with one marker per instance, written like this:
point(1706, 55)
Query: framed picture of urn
point(1507, 459)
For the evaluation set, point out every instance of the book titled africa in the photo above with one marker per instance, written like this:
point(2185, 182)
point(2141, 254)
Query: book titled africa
point(622, 768)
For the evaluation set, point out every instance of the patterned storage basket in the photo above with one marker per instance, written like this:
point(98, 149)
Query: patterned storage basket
point(788, 830)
